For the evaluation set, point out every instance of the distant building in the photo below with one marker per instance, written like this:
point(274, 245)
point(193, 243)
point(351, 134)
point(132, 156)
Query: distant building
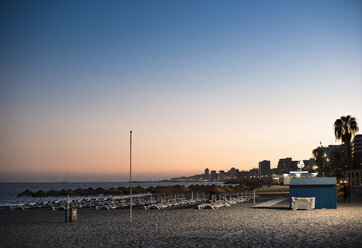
point(309, 163)
point(312, 162)
point(264, 168)
point(213, 175)
point(274, 171)
point(342, 149)
point(233, 172)
point(294, 166)
point(207, 173)
point(244, 174)
point(284, 165)
point(253, 172)
point(222, 176)
point(356, 147)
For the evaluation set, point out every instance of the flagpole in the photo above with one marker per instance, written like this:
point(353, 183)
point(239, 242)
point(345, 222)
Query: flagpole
point(130, 176)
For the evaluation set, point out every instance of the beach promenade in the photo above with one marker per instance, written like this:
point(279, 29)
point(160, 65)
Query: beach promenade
point(235, 226)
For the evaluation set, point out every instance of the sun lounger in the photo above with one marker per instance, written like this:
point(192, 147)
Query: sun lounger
point(152, 206)
point(16, 207)
point(214, 205)
point(102, 207)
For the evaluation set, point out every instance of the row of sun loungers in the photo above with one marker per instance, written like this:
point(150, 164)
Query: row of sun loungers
point(163, 204)
point(145, 201)
point(215, 204)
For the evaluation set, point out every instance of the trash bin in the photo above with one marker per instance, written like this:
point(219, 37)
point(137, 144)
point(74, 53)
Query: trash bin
point(71, 215)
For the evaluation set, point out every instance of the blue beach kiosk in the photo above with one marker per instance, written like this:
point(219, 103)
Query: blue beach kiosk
point(322, 188)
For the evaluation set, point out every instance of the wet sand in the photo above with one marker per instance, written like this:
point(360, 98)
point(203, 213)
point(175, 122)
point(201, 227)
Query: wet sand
point(235, 226)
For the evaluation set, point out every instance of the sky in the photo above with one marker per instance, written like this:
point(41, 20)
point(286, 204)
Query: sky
point(202, 84)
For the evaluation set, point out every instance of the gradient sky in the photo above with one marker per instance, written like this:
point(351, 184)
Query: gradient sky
point(215, 84)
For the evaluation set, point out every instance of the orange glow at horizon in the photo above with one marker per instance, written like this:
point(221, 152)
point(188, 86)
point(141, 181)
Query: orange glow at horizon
point(159, 152)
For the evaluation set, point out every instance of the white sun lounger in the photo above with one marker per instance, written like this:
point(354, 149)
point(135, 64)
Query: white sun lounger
point(214, 205)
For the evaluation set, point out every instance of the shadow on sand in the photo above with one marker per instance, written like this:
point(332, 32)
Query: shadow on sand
point(274, 208)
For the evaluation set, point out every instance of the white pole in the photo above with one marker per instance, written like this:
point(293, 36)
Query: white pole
point(67, 220)
point(130, 176)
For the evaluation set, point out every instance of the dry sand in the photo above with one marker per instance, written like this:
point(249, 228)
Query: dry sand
point(236, 226)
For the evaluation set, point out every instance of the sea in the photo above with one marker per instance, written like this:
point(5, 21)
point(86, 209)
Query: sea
point(9, 191)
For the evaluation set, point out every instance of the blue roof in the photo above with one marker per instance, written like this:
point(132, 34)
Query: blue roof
point(314, 181)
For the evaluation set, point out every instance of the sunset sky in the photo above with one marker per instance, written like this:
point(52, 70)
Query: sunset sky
point(215, 84)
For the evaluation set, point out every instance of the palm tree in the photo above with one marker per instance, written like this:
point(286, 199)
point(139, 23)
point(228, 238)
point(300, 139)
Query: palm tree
point(320, 158)
point(344, 129)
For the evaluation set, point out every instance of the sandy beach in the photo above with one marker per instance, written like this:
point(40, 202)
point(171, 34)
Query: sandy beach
point(235, 226)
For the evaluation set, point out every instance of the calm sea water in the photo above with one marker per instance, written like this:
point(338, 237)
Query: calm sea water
point(9, 191)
